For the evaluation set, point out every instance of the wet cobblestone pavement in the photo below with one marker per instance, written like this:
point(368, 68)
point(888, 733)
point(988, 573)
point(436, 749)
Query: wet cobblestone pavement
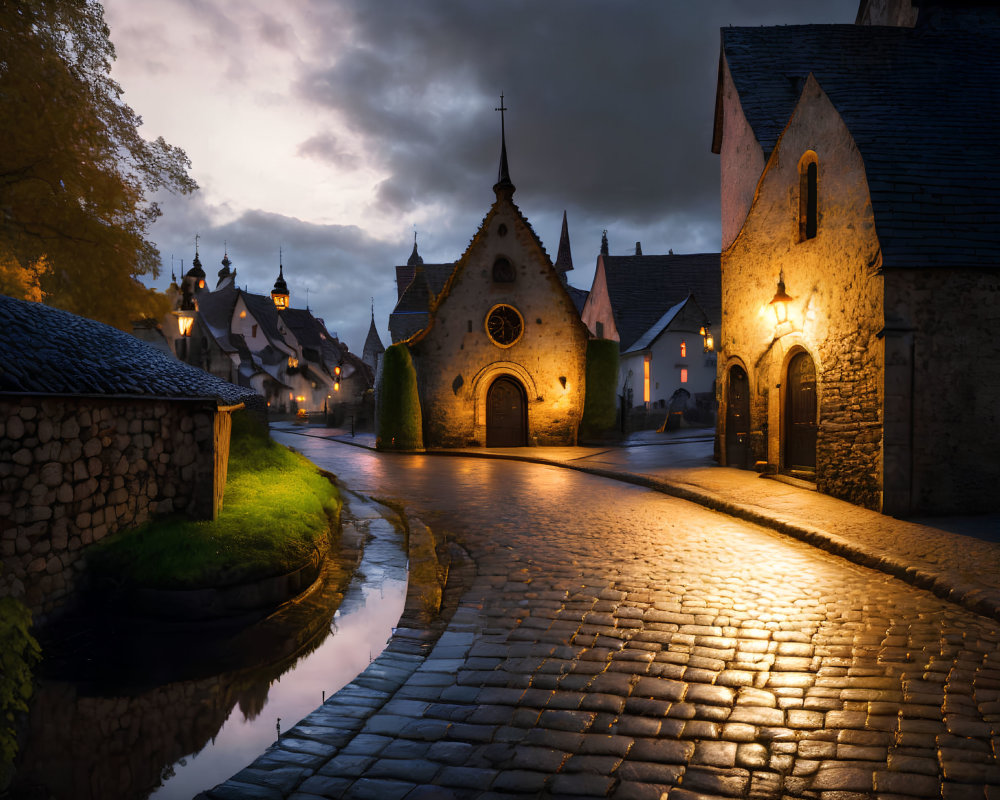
point(615, 642)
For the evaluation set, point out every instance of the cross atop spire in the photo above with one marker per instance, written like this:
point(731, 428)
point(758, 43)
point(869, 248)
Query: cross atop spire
point(503, 179)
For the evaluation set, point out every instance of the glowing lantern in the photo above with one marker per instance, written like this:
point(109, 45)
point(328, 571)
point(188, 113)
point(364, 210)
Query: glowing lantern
point(184, 323)
point(780, 301)
point(706, 333)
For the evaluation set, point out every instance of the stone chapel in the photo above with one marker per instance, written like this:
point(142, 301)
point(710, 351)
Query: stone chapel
point(501, 361)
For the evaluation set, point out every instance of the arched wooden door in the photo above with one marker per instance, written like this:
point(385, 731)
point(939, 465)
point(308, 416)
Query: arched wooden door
point(506, 414)
point(737, 418)
point(800, 414)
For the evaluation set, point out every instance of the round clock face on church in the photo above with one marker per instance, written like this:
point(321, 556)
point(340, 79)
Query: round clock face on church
point(504, 325)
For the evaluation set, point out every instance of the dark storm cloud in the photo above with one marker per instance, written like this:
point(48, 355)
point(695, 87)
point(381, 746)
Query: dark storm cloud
point(611, 105)
point(327, 147)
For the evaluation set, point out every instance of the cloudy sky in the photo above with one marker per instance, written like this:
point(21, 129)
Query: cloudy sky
point(335, 128)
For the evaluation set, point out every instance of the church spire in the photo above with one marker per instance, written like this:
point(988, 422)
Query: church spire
point(414, 258)
point(564, 258)
point(604, 243)
point(279, 294)
point(503, 184)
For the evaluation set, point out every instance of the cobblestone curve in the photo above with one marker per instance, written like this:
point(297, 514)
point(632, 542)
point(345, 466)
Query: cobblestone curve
point(691, 655)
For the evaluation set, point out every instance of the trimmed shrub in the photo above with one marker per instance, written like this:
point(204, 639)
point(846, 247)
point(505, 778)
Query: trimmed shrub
point(400, 425)
point(600, 400)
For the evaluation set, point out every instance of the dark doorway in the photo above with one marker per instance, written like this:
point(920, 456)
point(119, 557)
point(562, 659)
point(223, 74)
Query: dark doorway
point(506, 417)
point(800, 415)
point(738, 418)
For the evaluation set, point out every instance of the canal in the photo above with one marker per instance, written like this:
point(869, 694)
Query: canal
point(131, 708)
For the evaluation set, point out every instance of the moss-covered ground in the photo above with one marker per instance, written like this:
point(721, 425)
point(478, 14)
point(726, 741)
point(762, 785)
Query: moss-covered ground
point(277, 509)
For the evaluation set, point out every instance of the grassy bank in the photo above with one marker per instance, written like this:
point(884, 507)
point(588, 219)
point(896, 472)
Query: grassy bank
point(277, 509)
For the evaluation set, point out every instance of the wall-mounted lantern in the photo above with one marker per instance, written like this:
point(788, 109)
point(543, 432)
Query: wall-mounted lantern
point(780, 301)
point(706, 334)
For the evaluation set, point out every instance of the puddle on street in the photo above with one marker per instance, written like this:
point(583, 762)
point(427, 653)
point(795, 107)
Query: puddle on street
point(167, 713)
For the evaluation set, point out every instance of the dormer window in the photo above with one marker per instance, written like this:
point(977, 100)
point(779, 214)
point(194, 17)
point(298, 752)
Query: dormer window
point(808, 196)
point(503, 271)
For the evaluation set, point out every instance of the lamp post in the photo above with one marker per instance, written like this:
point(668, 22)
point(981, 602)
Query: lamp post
point(706, 334)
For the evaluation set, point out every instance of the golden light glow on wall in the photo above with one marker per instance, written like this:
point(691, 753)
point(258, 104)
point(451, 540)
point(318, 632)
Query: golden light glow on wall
point(645, 377)
point(300, 398)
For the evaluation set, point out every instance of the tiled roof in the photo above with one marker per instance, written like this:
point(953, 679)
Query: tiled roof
point(47, 351)
point(216, 310)
point(663, 323)
point(923, 107)
point(265, 313)
point(642, 288)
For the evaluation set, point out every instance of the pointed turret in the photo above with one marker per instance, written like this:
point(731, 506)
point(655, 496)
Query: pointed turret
point(374, 348)
point(414, 258)
point(503, 187)
point(195, 277)
point(279, 294)
point(226, 275)
point(564, 258)
point(604, 243)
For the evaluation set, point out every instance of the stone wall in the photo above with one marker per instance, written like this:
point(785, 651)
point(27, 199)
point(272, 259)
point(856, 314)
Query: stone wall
point(945, 388)
point(456, 362)
point(836, 315)
point(75, 469)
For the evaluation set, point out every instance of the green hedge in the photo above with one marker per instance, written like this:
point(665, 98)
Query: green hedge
point(19, 652)
point(400, 425)
point(600, 401)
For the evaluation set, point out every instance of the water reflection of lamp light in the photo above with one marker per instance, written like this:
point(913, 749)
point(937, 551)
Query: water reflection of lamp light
point(780, 301)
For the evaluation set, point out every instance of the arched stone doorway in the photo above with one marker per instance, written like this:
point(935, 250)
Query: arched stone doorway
point(800, 415)
point(506, 413)
point(737, 418)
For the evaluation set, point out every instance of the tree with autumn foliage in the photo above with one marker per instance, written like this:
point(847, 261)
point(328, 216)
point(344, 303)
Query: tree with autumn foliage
point(75, 174)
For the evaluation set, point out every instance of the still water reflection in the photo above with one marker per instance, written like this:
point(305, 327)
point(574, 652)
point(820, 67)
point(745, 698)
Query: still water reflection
point(172, 712)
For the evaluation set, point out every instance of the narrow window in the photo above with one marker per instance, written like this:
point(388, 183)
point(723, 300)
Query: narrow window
point(684, 375)
point(808, 196)
point(600, 330)
point(684, 349)
point(253, 332)
point(503, 271)
point(645, 378)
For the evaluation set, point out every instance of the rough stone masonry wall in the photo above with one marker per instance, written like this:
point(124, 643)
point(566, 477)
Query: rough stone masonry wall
point(73, 470)
point(836, 313)
point(955, 315)
point(456, 362)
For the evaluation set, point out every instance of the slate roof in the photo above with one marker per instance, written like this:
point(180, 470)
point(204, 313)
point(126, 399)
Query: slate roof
point(663, 323)
point(640, 288)
point(412, 311)
point(45, 350)
point(578, 296)
point(923, 107)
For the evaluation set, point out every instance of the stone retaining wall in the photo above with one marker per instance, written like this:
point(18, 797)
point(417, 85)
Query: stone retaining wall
point(75, 469)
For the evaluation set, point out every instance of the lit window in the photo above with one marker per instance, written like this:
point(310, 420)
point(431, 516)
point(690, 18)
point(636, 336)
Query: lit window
point(645, 378)
point(808, 195)
point(243, 315)
point(684, 375)
point(684, 349)
point(293, 362)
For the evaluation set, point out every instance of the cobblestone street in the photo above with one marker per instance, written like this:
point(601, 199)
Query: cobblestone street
point(618, 642)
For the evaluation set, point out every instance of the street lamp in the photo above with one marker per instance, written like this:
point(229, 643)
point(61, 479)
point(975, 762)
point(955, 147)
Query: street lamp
point(336, 378)
point(780, 301)
point(706, 333)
